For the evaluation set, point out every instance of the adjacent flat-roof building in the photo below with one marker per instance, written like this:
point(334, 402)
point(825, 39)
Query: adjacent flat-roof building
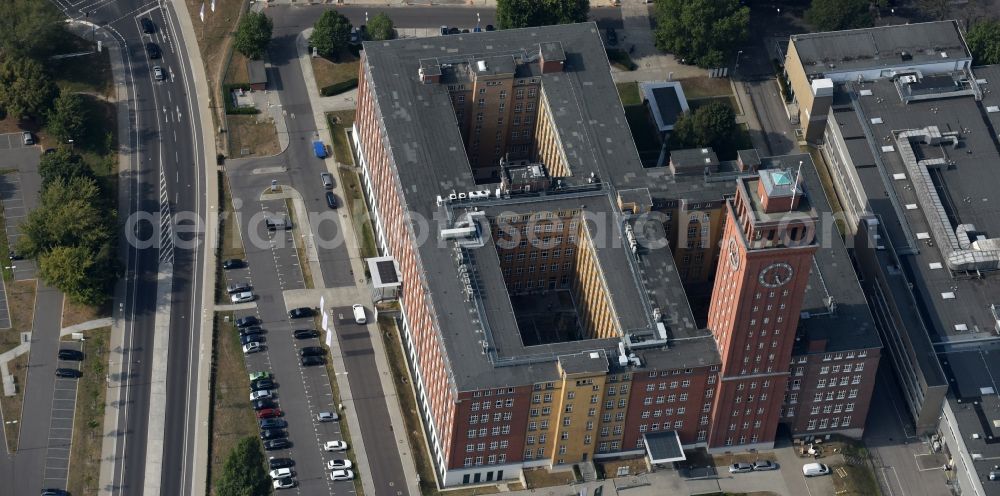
point(545, 274)
point(815, 61)
point(915, 161)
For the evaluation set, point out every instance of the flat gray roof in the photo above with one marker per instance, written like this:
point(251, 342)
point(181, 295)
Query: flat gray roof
point(969, 188)
point(430, 161)
point(871, 48)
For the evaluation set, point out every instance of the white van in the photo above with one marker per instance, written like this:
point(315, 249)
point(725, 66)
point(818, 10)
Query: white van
point(359, 314)
point(814, 469)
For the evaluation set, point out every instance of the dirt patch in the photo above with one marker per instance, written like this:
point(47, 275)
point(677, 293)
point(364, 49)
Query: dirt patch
point(215, 40)
point(328, 72)
point(21, 301)
point(252, 135)
point(76, 313)
point(703, 87)
point(88, 423)
point(541, 477)
point(230, 420)
point(635, 466)
point(237, 71)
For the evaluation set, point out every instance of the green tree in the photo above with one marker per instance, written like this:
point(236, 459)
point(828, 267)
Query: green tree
point(331, 32)
point(381, 28)
point(70, 213)
point(711, 125)
point(78, 272)
point(30, 27)
point(701, 32)
point(253, 34)
point(62, 164)
point(243, 473)
point(26, 91)
point(68, 117)
point(528, 13)
point(836, 15)
point(984, 42)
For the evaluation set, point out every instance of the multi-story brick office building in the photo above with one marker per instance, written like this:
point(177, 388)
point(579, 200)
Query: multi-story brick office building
point(545, 316)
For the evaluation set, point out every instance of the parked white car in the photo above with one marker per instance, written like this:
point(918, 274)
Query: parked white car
point(260, 395)
point(281, 473)
point(335, 446)
point(359, 314)
point(286, 483)
point(341, 475)
point(327, 416)
point(338, 464)
point(252, 347)
point(242, 297)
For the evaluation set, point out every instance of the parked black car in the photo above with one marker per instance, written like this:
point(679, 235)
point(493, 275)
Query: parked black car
point(261, 384)
point(263, 403)
point(312, 351)
point(301, 312)
point(305, 333)
point(331, 199)
point(153, 50)
point(249, 320)
point(252, 330)
point(69, 373)
point(147, 25)
point(612, 36)
point(276, 444)
point(273, 423)
point(310, 361)
point(233, 263)
point(272, 434)
point(251, 338)
point(74, 355)
point(274, 463)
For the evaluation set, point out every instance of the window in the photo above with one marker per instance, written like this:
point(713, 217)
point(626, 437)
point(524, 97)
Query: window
point(532, 425)
point(472, 433)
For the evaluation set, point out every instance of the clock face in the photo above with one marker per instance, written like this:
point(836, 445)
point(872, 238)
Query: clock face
point(734, 255)
point(776, 274)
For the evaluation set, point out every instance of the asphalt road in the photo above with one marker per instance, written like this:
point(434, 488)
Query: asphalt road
point(164, 143)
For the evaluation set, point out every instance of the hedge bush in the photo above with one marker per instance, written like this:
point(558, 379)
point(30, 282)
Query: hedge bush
point(338, 88)
point(227, 97)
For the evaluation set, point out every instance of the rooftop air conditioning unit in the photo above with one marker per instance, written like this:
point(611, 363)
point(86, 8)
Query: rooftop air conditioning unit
point(908, 79)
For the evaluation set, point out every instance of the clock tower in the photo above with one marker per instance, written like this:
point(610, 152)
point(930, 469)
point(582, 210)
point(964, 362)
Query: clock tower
point(767, 255)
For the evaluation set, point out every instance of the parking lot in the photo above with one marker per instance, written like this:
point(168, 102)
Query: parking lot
point(60, 433)
point(301, 392)
point(19, 187)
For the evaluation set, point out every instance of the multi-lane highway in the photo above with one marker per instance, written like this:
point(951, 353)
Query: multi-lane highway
point(162, 180)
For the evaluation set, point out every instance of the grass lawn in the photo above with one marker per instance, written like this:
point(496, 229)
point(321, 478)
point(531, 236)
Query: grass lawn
point(340, 121)
point(230, 418)
point(231, 242)
point(21, 301)
point(629, 93)
point(300, 249)
point(8, 274)
point(328, 72)
point(88, 435)
point(408, 403)
point(89, 73)
point(252, 135)
point(702, 87)
point(359, 212)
